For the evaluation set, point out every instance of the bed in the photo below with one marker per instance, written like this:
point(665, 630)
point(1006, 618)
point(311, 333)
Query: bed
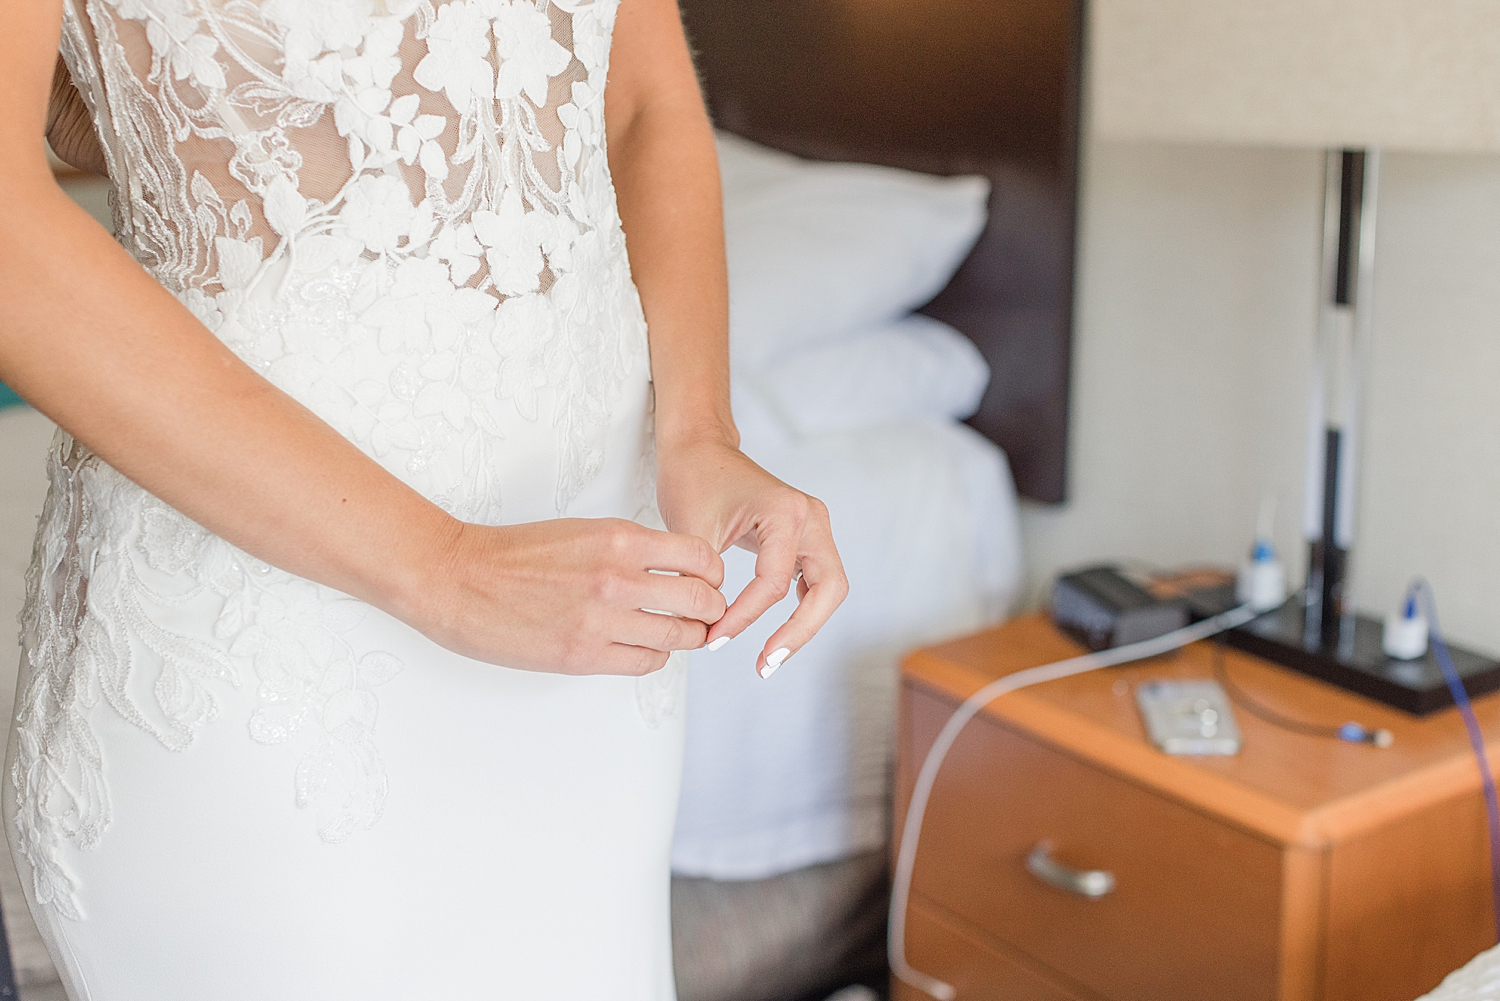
point(782, 831)
point(1477, 980)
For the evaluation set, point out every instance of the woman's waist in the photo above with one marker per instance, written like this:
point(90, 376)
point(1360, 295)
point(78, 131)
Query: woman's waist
point(454, 403)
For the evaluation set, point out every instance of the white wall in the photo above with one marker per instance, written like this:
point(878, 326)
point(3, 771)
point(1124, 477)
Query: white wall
point(1196, 302)
point(1432, 499)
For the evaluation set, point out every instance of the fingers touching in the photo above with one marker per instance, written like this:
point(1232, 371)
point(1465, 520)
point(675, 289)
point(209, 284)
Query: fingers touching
point(676, 603)
point(684, 554)
point(663, 633)
point(777, 540)
point(667, 591)
point(793, 543)
point(820, 590)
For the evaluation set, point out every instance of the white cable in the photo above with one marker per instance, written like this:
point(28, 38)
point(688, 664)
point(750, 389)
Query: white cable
point(911, 830)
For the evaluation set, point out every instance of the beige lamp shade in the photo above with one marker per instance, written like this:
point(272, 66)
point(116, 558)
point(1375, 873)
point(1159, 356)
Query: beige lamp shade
point(1399, 74)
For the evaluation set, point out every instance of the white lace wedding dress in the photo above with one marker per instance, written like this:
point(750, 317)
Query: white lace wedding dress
point(225, 782)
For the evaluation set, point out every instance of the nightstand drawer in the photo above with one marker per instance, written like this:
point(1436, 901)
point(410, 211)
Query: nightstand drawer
point(1194, 909)
point(977, 971)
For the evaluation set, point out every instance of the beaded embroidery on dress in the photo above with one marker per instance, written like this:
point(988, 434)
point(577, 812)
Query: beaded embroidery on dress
point(399, 212)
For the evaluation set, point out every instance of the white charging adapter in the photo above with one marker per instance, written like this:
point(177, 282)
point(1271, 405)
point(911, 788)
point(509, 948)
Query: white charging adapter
point(1405, 634)
point(1262, 580)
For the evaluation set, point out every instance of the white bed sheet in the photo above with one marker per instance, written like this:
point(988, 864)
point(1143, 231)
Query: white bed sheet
point(796, 770)
point(1478, 980)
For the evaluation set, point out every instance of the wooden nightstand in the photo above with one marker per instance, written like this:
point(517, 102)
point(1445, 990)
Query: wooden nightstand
point(1302, 868)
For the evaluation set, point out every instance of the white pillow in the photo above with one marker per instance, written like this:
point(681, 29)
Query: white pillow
point(915, 367)
point(820, 249)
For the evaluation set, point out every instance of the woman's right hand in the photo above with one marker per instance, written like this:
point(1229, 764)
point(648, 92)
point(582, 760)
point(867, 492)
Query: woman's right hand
point(569, 596)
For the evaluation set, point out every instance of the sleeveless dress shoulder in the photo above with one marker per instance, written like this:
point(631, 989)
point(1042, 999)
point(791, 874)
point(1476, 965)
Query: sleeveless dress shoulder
point(224, 781)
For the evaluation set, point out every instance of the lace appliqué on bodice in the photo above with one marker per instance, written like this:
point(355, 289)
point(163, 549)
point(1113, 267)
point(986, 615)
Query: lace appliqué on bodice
point(399, 212)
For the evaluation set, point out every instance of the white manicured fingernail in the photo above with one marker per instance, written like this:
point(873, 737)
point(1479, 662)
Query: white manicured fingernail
point(774, 660)
point(718, 644)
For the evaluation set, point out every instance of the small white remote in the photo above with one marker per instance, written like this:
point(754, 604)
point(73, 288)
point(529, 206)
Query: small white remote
point(1188, 717)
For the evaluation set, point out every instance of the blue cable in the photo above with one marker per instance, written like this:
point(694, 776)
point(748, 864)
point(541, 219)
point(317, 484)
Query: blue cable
point(1420, 589)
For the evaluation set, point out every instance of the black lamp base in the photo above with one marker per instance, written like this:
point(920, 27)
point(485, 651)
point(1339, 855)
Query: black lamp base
point(1414, 686)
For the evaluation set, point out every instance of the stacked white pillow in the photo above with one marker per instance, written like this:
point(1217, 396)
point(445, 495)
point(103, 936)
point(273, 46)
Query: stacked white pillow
point(826, 263)
point(911, 367)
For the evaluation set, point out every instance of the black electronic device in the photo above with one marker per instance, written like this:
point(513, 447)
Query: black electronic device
point(1356, 662)
point(1102, 607)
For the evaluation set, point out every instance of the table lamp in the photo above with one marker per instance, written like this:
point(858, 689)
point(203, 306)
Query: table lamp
point(1351, 77)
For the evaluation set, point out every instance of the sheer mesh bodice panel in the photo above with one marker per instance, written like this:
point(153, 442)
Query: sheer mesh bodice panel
point(425, 180)
point(400, 212)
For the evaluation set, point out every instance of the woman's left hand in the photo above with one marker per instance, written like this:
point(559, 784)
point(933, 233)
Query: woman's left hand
point(710, 489)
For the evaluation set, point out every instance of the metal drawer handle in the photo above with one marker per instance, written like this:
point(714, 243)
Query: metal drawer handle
point(1090, 883)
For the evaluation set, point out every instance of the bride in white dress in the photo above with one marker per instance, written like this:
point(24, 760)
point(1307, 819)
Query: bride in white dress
point(345, 672)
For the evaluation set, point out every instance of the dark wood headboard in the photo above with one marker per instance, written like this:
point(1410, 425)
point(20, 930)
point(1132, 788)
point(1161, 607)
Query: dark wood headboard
point(947, 87)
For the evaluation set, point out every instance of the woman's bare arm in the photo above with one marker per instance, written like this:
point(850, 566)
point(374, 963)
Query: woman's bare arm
point(89, 339)
point(666, 173)
point(93, 342)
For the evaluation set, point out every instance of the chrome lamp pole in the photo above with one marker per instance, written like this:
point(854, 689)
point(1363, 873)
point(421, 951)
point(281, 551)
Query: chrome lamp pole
point(1351, 179)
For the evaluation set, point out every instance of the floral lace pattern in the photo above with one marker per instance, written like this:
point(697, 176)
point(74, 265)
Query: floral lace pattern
point(398, 211)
